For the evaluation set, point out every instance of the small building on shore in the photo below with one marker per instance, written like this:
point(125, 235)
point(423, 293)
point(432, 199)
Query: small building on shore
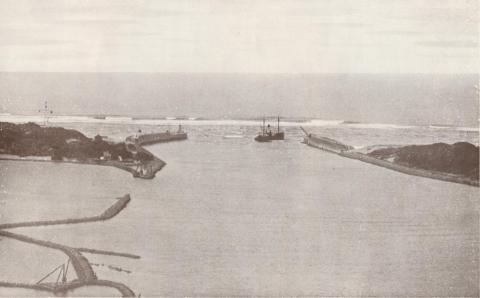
point(106, 155)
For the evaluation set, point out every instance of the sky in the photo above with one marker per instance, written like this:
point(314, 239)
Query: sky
point(219, 36)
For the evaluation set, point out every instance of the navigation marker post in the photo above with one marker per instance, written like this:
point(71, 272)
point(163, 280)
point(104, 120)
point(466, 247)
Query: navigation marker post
point(46, 112)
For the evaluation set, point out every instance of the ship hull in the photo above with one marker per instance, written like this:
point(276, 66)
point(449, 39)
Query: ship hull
point(268, 138)
point(262, 139)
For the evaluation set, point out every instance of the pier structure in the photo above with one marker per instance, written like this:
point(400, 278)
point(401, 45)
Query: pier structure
point(144, 164)
point(325, 143)
point(159, 137)
point(336, 147)
point(83, 269)
point(149, 164)
point(163, 137)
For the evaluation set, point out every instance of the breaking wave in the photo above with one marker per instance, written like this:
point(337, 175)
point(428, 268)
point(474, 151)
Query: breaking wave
point(186, 120)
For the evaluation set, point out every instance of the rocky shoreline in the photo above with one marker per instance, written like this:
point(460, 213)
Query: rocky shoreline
point(411, 170)
point(458, 163)
point(459, 159)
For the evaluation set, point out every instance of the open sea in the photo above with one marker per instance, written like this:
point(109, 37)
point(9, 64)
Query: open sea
point(230, 216)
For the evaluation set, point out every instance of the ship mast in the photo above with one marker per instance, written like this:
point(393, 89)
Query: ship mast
point(263, 126)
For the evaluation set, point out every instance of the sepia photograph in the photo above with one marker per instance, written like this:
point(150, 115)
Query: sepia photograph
point(239, 148)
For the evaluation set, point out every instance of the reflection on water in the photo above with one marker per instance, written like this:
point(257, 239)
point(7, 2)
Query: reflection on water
point(232, 216)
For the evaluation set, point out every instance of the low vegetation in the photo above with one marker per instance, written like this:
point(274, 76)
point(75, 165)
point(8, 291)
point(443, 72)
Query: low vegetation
point(460, 158)
point(31, 139)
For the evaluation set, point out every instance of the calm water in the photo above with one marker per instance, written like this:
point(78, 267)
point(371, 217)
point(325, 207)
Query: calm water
point(232, 216)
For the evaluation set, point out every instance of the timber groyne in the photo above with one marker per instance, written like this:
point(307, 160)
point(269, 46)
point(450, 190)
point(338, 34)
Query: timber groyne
point(80, 264)
point(83, 269)
point(107, 252)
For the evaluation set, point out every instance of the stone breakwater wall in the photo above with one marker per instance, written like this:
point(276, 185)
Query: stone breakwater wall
point(145, 168)
point(82, 267)
point(107, 214)
point(341, 149)
point(80, 264)
point(409, 170)
point(148, 139)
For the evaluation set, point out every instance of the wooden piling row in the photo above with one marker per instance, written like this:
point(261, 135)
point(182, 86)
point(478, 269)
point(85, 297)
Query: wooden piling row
point(84, 271)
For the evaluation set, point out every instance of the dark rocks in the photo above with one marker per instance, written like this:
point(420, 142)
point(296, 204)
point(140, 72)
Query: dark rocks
point(460, 158)
point(33, 140)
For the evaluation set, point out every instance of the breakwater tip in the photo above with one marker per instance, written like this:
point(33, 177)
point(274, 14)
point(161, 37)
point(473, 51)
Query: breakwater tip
point(124, 197)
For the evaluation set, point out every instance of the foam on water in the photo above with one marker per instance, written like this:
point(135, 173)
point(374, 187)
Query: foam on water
point(194, 121)
point(379, 126)
point(320, 122)
point(438, 126)
point(233, 136)
point(473, 129)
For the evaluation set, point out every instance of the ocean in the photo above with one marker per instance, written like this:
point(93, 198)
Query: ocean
point(230, 216)
point(401, 99)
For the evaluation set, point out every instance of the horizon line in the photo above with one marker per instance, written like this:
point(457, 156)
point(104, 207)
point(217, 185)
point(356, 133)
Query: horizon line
point(241, 73)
